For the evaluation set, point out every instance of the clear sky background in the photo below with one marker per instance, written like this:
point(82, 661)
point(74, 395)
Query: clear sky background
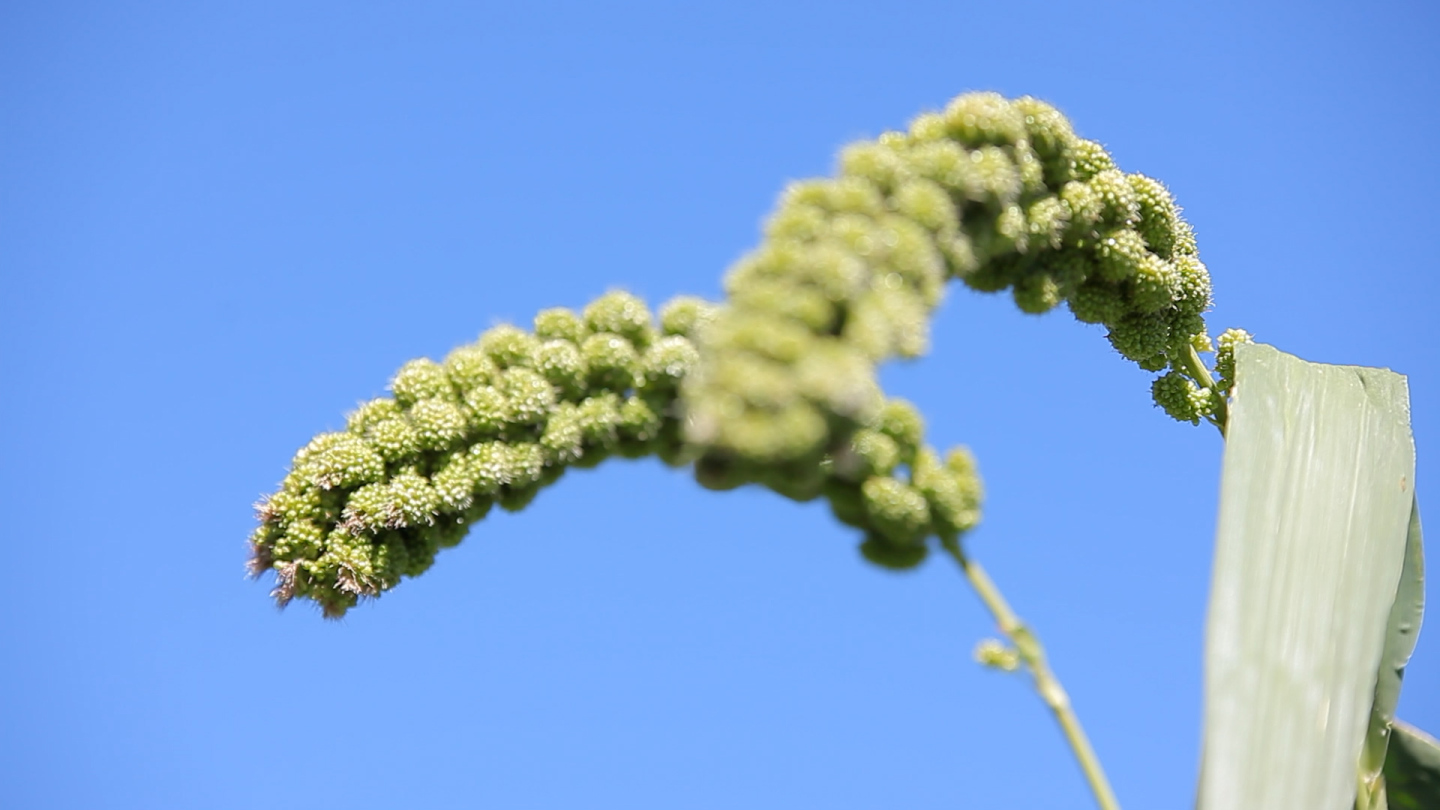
point(224, 224)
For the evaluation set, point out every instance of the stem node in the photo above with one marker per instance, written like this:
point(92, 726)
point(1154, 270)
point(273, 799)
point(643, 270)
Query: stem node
point(1032, 655)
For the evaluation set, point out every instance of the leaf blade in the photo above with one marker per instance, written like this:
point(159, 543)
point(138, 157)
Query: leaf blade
point(1412, 769)
point(1309, 549)
point(1401, 632)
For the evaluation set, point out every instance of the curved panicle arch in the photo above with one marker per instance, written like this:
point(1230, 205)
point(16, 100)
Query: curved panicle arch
point(776, 386)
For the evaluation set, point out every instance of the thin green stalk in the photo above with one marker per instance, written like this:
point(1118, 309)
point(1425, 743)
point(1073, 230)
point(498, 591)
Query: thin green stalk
point(1201, 375)
point(1032, 654)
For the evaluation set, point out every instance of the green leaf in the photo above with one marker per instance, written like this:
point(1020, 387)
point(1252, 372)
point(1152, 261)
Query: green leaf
point(1400, 635)
point(1315, 503)
point(1412, 769)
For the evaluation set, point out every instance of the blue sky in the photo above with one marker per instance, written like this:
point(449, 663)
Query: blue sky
point(224, 224)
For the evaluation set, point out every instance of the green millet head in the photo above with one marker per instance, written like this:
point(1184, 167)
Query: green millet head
point(611, 361)
point(559, 361)
point(984, 119)
point(349, 461)
point(598, 417)
point(1120, 253)
point(1047, 220)
point(1086, 210)
point(1142, 338)
point(901, 421)
point(563, 438)
point(927, 204)
point(470, 367)
point(1089, 159)
point(439, 424)
point(509, 346)
point(952, 489)
point(1037, 293)
point(530, 396)
point(880, 551)
point(421, 379)
point(877, 162)
point(898, 511)
point(684, 315)
point(1159, 222)
point(495, 423)
point(560, 324)
point(777, 386)
point(1181, 398)
point(639, 422)
point(843, 195)
point(871, 453)
point(621, 313)
point(1051, 137)
point(370, 413)
point(489, 411)
point(1001, 194)
point(840, 379)
point(1225, 355)
point(666, 363)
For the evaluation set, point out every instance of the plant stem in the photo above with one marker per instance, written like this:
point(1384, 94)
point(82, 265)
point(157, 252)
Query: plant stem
point(1046, 684)
point(1201, 375)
